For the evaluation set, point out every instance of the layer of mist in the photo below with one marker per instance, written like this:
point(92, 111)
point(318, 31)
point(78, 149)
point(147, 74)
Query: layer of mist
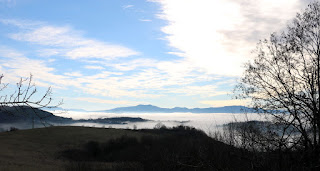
point(208, 122)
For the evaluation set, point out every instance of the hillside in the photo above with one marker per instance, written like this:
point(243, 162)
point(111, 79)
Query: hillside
point(27, 114)
point(38, 149)
point(76, 148)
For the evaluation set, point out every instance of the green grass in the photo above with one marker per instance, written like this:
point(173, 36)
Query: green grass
point(38, 149)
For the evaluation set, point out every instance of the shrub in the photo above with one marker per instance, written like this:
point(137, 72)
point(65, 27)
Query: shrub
point(13, 129)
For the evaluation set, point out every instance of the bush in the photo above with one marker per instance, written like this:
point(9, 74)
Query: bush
point(13, 129)
point(160, 126)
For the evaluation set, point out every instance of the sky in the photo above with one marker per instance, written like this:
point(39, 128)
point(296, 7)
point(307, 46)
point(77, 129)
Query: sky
point(101, 54)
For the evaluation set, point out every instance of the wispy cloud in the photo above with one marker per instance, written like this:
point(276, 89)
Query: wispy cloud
point(15, 65)
point(100, 50)
point(145, 20)
point(93, 67)
point(221, 103)
point(103, 101)
point(22, 24)
point(127, 6)
point(65, 41)
point(130, 65)
point(73, 74)
point(205, 90)
point(49, 52)
point(105, 83)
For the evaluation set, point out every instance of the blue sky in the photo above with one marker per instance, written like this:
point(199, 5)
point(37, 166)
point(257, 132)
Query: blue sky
point(101, 54)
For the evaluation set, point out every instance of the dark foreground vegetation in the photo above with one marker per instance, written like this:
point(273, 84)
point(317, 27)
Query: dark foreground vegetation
point(178, 148)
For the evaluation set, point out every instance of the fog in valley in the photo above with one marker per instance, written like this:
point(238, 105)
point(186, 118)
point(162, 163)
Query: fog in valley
point(207, 122)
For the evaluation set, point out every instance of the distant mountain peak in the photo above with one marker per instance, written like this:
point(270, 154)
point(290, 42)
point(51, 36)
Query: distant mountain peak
point(145, 105)
point(148, 108)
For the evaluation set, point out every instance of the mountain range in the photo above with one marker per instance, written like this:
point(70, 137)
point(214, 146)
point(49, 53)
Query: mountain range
point(155, 109)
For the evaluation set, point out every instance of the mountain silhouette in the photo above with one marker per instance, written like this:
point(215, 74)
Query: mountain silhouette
point(156, 109)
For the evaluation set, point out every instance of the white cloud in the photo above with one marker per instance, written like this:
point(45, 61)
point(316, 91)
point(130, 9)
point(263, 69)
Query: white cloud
point(49, 52)
point(93, 67)
point(162, 76)
point(218, 36)
point(23, 24)
point(97, 50)
point(127, 6)
point(111, 84)
point(206, 91)
point(145, 20)
point(138, 78)
point(66, 41)
point(221, 103)
point(15, 65)
point(132, 64)
point(147, 79)
point(103, 101)
point(73, 74)
point(152, 79)
point(50, 36)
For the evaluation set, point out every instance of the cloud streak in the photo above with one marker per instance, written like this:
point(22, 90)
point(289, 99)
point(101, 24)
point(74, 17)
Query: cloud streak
point(221, 103)
point(16, 65)
point(65, 41)
point(127, 6)
point(103, 101)
point(155, 79)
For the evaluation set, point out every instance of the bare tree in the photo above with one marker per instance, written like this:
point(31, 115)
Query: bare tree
point(25, 95)
point(283, 80)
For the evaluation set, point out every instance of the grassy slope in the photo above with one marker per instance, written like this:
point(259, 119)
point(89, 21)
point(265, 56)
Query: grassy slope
point(37, 149)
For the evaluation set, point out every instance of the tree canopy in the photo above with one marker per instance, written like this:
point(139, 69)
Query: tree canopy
point(283, 80)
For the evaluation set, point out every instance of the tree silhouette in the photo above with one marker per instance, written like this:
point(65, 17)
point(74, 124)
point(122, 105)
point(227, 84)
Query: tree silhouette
point(283, 80)
point(25, 95)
